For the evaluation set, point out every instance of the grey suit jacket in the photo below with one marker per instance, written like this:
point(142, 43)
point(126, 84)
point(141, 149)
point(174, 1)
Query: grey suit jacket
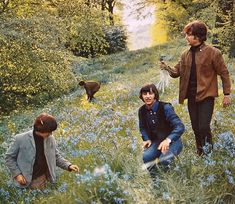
point(20, 156)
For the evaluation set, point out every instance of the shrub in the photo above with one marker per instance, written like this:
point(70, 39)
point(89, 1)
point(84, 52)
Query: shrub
point(32, 70)
point(110, 39)
point(116, 38)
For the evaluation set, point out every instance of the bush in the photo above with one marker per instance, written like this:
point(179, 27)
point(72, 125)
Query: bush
point(110, 39)
point(116, 38)
point(31, 70)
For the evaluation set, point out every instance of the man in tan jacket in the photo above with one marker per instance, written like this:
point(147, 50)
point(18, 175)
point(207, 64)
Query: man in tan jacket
point(198, 69)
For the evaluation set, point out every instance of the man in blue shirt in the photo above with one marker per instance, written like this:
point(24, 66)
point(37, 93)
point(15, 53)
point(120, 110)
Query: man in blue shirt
point(160, 128)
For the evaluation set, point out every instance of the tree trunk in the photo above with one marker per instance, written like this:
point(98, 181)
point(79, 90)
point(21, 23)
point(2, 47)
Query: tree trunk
point(111, 4)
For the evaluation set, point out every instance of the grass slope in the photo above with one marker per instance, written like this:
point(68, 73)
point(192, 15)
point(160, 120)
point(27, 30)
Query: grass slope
point(103, 139)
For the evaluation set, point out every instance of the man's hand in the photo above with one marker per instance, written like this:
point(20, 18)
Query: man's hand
point(147, 144)
point(164, 145)
point(74, 168)
point(227, 100)
point(163, 65)
point(21, 179)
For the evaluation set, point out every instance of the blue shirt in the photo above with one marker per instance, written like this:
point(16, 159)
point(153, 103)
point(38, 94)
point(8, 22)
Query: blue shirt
point(175, 122)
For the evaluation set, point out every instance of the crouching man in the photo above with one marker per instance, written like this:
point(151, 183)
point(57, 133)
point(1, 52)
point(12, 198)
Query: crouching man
point(32, 156)
point(160, 128)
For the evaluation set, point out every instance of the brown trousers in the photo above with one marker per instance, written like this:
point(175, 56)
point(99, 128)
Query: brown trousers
point(39, 183)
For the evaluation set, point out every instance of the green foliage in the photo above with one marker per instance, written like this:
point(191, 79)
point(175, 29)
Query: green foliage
point(176, 14)
point(32, 68)
point(224, 31)
point(225, 36)
point(101, 40)
point(103, 139)
point(90, 45)
point(20, 8)
point(116, 38)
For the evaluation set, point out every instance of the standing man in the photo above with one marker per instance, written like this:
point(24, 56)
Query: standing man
point(160, 128)
point(198, 69)
point(32, 156)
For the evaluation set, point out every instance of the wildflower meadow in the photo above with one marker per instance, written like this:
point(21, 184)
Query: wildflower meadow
point(103, 139)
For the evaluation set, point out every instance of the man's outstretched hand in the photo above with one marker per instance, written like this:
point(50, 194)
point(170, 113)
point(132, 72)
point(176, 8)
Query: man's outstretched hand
point(74, 168)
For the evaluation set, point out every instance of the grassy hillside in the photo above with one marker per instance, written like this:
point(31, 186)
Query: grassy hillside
point(103, 139)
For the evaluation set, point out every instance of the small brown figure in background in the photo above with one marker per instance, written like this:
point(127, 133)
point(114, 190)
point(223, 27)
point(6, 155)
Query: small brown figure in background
point(91, 88)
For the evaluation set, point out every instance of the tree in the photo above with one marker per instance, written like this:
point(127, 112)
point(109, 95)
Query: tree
point(224, 36)
point(176, 13)
point(33, 66)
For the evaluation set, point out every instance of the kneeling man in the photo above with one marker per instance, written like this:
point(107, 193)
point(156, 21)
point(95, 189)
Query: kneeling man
point(160, 128)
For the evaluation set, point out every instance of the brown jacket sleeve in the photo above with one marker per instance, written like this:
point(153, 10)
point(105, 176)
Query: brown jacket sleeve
point(222, 71)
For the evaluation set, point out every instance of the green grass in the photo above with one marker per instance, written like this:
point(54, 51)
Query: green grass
point(104, 135)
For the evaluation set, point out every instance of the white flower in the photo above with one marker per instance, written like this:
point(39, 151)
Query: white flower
point(98, 171)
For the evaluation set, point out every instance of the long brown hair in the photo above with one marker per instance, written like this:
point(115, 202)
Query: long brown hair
point(45, 123)
point(196, 28)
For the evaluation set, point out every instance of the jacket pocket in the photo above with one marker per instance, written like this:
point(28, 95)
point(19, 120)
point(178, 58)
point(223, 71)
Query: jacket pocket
point(205, 69)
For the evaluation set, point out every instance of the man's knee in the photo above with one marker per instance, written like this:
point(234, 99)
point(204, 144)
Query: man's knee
point(176, 147)
point(150, 155)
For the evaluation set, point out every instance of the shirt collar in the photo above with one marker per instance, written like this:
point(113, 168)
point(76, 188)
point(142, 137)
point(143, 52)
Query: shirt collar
point(200, 48)
point(154, 107)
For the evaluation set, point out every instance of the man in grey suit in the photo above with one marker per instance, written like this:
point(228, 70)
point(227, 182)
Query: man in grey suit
point(32, 156)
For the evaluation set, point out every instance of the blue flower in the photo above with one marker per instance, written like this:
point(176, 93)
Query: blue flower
point(165, 196)
point(102, 190)
point(229, 176)
point(4, 193)
point(211, 178)
point(118, 200)
point(63, 187)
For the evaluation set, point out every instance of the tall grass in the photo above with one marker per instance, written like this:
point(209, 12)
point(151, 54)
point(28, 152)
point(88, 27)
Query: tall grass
point(102, 137)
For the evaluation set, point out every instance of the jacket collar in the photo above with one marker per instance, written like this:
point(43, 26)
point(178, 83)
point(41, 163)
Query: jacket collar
point(200, 48)
point(30, 135)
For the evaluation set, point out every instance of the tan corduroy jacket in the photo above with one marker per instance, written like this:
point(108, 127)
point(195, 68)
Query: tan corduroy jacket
point(209, 64)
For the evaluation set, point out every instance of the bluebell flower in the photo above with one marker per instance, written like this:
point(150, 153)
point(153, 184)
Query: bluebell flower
point(102, 190)
point(211, 178)
point(74, 140)
point(126, 177)
point(134, 144)
point(118, 200)
point(74, 153)
point(47, 190)
point(229, 176)
point(165, 196)
point(4, 193)
point(209, 161)
point(90, 136)
point(63, 187)
point(128, 132)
